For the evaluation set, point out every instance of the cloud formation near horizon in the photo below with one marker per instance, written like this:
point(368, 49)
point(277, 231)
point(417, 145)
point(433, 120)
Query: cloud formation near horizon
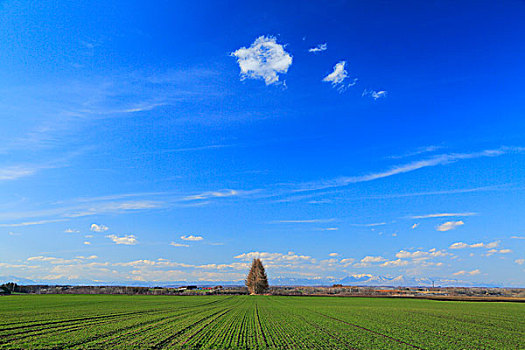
point(461, 245)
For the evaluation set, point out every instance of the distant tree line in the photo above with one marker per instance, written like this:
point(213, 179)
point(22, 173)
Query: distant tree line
point(9, 288)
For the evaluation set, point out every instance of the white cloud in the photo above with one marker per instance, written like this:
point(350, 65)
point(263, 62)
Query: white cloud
point(179, 244)
point(397, 262)
point(265, 59)
point(520, 261)
point(463, 272)
point(374, 94)
point(192, 238)
point(87, 243)
point(368, 259)
point(98, 228)
point(441, 215)
point(346, 262)
point(459, 245)
point(370, 225)
point(126, 239)
point(505, 251)
point(421, 255)
point(318, 48)
point(338, 76)
point(449, 225)
point(215, 194)
point(333, 254)
point(273, 257)
point(517, 237)
point(91, 257)
point(492, 244)
point(414, 226)
point(462, 245)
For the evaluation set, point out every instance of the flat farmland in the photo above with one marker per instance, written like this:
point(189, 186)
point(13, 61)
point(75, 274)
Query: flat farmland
point(256, 322)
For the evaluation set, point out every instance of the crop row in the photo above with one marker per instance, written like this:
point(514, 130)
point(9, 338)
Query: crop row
point(261, 322)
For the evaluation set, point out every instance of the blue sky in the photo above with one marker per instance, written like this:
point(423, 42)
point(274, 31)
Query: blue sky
point(167, 141)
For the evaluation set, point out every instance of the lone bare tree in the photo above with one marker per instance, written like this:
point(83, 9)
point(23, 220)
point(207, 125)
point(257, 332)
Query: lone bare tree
point(257, 281)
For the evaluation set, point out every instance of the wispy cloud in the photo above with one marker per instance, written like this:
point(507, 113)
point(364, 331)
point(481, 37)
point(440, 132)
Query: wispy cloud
point(265, 59)
point(374, 94)
point(215, 194)
point(422, 150)
point(126, 239)
point(15, 172)
point(31, 223)
point(370, 225)
point(449, 225)
point(441, 159)
point(438, 193)
point(302, 221)
point(441, 215)
point(174, 244)
point(319, 48)
point(463, 272)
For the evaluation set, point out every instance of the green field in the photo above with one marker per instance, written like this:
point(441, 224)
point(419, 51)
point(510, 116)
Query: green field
point(256, 322)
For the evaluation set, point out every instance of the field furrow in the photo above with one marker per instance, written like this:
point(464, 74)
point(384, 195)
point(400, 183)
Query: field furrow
point(255, 322)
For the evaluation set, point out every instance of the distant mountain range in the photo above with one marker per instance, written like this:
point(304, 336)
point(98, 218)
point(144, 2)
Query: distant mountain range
point(352, 280)
point(376, 281)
